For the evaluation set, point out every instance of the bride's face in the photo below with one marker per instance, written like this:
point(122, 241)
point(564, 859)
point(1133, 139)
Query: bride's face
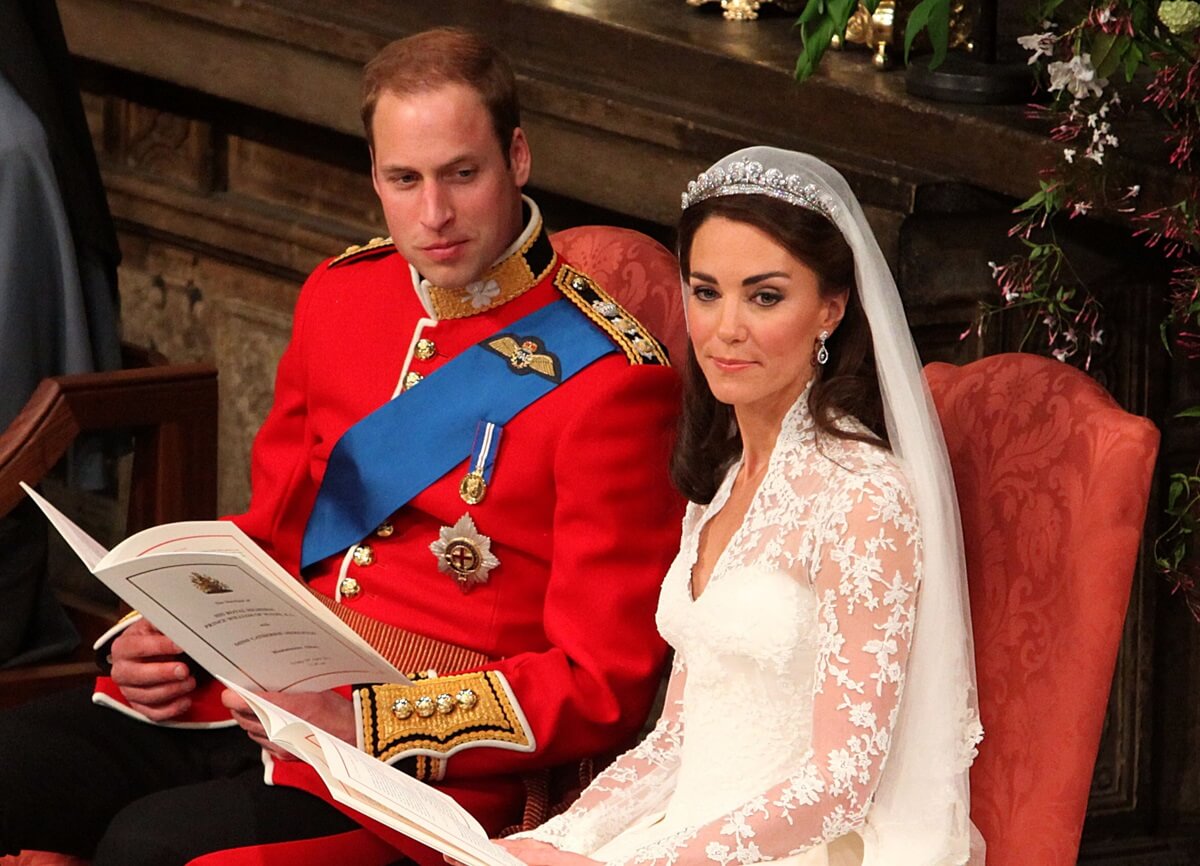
point(754, 313)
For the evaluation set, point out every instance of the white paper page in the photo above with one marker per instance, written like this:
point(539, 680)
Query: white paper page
point(454, 829)
point(206, 536)
point(236, 624)
point(223, 536)
point(379, 791)
point(86, 548)
point(340, 654)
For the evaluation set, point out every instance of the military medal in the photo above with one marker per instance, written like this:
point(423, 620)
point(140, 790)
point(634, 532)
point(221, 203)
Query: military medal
point(474, 485)
point(464, 553)
point(473, 488)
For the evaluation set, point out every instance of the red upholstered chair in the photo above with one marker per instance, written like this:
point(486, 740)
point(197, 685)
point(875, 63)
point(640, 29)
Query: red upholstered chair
point(1053, 479)
point(639, 272)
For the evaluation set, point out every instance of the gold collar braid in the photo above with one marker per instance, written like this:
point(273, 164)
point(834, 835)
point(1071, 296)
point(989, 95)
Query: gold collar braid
point(507, 279)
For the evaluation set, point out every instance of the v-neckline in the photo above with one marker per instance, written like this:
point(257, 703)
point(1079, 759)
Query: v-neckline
point(799, 410)
point(719, 501)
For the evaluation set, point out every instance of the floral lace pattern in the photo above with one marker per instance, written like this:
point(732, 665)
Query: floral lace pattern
point(788, 670)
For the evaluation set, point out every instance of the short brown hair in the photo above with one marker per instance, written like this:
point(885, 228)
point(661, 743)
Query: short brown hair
point(444, 55)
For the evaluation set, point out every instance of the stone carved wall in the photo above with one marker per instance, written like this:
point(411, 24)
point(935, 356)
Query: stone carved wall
point(218, 231)
point(248, 342)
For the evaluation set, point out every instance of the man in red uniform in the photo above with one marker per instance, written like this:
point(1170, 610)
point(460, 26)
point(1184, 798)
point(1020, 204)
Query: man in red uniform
point(466, 458)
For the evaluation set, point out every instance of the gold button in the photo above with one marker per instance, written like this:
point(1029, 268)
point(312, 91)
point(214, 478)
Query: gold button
point(349, 587)
point(401, 708)
point(467, 699)
point(385, 529)
point(425, 349)
point(425, 707)
point(411, 379)
point(363, 555)
point(445, 704)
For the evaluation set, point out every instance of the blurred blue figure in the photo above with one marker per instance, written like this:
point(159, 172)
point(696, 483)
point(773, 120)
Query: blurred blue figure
point(58, 284)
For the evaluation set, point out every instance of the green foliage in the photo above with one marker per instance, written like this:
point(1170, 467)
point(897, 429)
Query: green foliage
point(1108, 52)
point(932, 16)
point(1173, 548)
point(1079, 49)
point(821, 20)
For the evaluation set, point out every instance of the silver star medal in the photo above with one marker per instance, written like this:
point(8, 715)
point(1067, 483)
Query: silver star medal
point(463, 552)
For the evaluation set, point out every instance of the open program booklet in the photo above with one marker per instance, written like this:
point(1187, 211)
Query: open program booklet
point(379, 791)
point(238, 614)
point(228, 605)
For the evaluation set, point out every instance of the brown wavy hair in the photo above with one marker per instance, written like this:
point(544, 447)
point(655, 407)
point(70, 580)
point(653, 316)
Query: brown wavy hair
point(708, 442)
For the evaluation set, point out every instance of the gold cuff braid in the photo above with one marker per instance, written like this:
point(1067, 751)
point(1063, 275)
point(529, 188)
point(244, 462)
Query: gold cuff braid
point(441, 715)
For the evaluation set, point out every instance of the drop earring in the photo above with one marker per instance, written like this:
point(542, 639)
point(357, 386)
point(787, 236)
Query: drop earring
point(822, 355)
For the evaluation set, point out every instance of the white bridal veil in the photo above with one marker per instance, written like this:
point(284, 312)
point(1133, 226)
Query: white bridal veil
point(920, 815)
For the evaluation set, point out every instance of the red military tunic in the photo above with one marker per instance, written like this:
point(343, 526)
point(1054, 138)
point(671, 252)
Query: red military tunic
point(579, 513)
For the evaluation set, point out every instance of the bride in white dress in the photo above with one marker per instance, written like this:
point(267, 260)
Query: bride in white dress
point(821, 706)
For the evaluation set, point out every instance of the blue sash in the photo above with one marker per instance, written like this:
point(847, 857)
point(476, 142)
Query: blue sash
point(411, 441)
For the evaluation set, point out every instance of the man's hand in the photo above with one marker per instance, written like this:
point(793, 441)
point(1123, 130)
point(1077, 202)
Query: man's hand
point(542, 854)
point(148, 668)
point(327, 710)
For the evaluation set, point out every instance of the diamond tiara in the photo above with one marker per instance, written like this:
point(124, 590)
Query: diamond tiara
point(750, 178)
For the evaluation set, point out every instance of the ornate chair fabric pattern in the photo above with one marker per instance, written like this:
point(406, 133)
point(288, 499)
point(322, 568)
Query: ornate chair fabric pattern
point(1053, 480)
point(638, 271)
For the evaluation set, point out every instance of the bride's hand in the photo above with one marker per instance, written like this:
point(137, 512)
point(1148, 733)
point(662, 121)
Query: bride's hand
point(542, 854)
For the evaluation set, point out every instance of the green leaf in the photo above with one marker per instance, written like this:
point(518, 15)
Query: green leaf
point(1031, 203)
point(934, 17)
point(1141, 17)
point(1189, 412)
point(1107, 52)
point(812, 10)
point(1174, 492)
point(830, 17)
point(1133, 59)
point(814, 48)
point(939, 31)
point(840, 11)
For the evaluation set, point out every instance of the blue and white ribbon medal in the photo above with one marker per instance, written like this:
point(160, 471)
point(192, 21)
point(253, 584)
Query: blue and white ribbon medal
point(474, 485)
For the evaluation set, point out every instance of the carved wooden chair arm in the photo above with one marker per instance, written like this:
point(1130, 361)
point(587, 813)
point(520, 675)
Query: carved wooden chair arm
point(171, 412)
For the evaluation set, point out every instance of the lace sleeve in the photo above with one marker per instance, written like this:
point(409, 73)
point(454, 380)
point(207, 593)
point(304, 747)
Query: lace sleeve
point(637, 783)
point(865, 575)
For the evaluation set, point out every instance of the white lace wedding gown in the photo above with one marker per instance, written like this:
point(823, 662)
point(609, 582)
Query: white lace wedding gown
point(787, 673)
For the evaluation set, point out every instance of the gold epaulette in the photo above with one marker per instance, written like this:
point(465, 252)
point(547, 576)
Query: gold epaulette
point(439, 716)
point(374, 245)
point(627, 332)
